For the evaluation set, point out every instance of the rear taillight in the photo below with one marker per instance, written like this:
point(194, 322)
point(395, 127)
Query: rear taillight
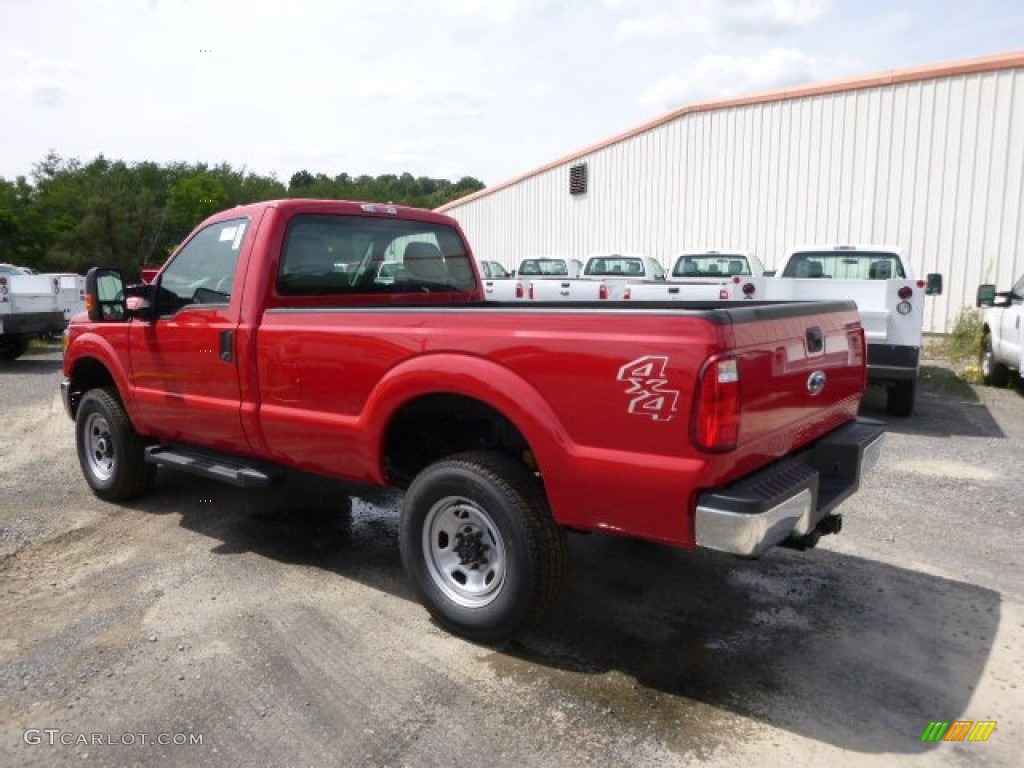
point(922, 283)
point(716, 417)
point(749, 289)
point(736, 279)
point(519, 290)
point(627, 293)
point(723, 294)
point(3, 289)
point(905, 292)
point(602, 292)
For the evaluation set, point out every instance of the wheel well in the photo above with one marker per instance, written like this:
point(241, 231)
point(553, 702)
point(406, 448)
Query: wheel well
point(88, 373)
point(429, 428)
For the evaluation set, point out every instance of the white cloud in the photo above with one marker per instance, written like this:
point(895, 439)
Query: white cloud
point(771, 14)
point(716, 17)
point(501, 11)
point(38, 79)
point(717, 76)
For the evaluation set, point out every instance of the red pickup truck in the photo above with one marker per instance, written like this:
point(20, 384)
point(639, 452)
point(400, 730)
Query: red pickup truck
point(269, 341)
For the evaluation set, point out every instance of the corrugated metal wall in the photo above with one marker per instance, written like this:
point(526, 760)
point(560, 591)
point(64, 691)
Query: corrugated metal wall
point(934, 165)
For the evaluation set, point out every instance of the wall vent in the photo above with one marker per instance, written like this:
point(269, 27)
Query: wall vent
point(578, 179)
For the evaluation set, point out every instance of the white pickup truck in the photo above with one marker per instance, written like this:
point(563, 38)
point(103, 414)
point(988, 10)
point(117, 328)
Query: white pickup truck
point(30, 306)
point(708, 275)
point(606, 276)
point(889, 299)
point(1003, 327)
point(713, 264)
point(542, 269)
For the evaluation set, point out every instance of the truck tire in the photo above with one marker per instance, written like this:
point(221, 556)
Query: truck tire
point(110, 451)
point(900, 401)
point(480, 546)
point(993, 373)
point(13, 347)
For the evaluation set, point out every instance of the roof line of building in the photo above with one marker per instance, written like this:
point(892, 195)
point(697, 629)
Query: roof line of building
point(949, 69)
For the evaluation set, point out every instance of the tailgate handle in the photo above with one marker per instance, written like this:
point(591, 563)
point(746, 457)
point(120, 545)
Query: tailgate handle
point(673, 290)
point(815, 339)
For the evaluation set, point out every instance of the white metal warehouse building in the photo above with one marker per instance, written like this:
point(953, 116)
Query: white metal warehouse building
point(930, 159)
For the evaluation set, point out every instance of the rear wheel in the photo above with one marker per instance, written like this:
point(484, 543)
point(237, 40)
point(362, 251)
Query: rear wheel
point(993, 373)
point(480, 546)
point(900, 400)
point(110, 451)
point(13, 347)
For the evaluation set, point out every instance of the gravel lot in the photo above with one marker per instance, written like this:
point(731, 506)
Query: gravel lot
point(279, 627)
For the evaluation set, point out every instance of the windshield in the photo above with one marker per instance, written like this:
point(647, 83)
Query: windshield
point(614, 266)
point(847, 265)
point(711, 265)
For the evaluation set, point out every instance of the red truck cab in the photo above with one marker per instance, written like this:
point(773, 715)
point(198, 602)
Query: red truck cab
point(270, 341)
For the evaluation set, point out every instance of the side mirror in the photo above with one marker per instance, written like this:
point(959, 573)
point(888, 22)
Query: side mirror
point(986, 296)
point(104, 295)
point(933, 284)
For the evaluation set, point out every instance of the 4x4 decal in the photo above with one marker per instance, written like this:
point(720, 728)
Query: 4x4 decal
point(647, 380)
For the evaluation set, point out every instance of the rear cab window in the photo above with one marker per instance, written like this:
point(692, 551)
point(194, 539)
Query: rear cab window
point(343, 255)
point(845, 265)
point(711, 265)
point(615, 266)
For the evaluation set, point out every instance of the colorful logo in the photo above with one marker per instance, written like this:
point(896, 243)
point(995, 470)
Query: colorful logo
point(958, 730)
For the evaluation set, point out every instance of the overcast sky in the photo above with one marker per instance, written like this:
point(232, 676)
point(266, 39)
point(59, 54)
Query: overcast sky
point(443, 88)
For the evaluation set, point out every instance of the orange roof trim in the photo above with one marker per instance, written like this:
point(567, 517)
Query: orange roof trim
point(950, 69)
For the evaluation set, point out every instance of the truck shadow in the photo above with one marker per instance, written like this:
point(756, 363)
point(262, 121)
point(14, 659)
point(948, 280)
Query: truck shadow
point(31, 366)
point(848, 651)
point(946, 406)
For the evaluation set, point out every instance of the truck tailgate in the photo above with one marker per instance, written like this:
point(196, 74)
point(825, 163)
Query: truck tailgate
point(801, 376)
point(32, 293)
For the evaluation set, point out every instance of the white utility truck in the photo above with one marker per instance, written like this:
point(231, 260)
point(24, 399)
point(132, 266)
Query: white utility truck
point(889, 298)
point(1003, 341)
point(30, 306)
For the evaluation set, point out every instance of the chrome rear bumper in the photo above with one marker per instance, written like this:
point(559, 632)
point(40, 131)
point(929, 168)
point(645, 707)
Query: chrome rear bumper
point(791, 497)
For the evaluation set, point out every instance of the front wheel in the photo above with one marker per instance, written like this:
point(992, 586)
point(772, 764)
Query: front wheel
point(480, 546)
point(993, 373)
point(110, 451)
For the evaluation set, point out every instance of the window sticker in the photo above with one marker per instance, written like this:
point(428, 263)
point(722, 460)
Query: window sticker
point(228, 233)
point(237, 242)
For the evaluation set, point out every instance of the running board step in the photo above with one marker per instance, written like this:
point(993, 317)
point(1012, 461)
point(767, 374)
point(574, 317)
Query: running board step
point(217, 466)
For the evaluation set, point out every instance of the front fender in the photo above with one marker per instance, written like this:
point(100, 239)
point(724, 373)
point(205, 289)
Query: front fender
point(108, 350)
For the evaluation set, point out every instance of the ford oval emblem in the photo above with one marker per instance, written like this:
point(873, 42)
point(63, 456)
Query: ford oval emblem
point(816, 382)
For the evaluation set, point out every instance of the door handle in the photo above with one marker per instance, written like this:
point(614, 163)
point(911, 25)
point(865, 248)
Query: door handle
point(227, 346)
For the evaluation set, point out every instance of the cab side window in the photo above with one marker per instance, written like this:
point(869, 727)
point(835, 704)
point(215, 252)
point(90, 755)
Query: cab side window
point(203, 272)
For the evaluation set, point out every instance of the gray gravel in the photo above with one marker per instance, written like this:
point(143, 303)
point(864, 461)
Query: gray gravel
point(280, 627)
